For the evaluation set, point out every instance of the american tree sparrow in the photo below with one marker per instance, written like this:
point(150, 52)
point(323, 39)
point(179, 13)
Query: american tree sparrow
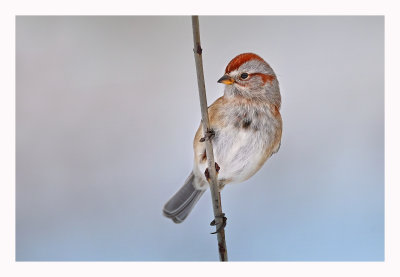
point(247, 130)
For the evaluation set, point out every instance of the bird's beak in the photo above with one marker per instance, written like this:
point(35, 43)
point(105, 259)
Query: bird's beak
point(226, 79)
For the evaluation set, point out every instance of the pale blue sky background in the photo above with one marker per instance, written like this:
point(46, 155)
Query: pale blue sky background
point(106, 112)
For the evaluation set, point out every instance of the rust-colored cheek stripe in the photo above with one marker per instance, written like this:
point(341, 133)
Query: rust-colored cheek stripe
point(265, 77)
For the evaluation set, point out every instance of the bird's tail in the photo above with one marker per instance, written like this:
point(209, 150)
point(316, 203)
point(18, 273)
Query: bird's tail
point(183, 201)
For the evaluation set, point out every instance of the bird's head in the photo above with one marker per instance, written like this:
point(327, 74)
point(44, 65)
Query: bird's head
point(249, 75)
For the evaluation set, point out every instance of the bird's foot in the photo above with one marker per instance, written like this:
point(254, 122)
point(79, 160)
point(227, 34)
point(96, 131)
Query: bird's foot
point(217, 168)
point(208, 135)
point(221, 225)
point(207, 173)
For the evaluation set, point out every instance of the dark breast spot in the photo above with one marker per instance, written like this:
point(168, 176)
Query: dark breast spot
point(246, 123)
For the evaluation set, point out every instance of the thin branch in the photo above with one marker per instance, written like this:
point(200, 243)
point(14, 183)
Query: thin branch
point(215, 195)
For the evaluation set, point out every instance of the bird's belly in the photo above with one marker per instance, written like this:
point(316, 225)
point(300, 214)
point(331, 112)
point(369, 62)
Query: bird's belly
point(239, 153)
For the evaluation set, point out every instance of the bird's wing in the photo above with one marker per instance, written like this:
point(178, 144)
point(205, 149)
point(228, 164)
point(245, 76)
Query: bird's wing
point(214, 115)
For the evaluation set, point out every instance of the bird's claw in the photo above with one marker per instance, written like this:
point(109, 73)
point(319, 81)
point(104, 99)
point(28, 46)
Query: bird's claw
point(222, 225)
point(207, 173)
point(217, 168)
point(208, 135)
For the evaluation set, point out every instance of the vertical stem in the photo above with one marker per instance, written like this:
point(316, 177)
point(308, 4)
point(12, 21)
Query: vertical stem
point(215, 195)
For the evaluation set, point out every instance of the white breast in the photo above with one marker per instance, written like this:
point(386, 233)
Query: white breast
point(238, 152)
point(240, 147)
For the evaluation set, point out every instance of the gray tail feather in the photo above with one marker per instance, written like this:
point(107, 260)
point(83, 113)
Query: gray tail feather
point(183, 201)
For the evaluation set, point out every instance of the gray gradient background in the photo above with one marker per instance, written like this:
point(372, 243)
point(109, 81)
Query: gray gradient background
point(106, 112)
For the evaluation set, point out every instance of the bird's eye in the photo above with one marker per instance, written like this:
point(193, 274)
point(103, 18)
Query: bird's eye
point(244, 76)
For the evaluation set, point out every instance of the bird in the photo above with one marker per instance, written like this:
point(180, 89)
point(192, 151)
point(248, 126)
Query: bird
point(246, 130)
